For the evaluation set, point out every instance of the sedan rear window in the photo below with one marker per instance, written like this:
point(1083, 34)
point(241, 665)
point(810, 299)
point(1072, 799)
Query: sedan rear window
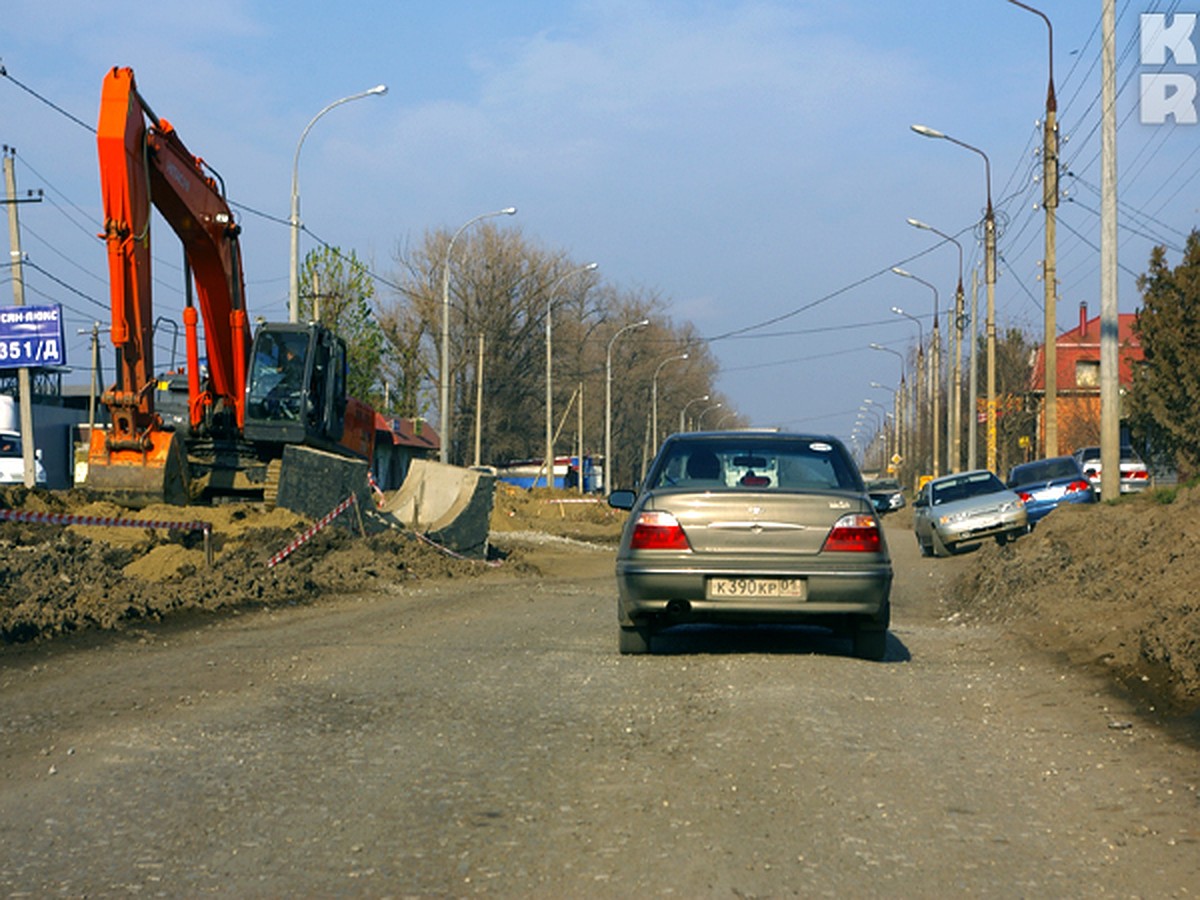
point(785, 465)
point(1044, 471)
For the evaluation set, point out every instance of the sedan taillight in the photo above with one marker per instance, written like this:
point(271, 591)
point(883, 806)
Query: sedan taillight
point(1028, 497)
point(1075, 487)
point(1138, 475)
point(658, 531)
point(855, 533)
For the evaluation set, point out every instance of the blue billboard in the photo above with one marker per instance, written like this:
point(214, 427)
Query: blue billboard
point(31, 336)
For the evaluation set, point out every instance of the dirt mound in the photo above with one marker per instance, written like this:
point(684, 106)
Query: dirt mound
point(564, 513)
point(1112, 584)
point(56, 579)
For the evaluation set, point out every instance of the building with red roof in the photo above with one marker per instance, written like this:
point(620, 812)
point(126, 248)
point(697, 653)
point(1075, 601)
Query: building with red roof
point(1079, 379)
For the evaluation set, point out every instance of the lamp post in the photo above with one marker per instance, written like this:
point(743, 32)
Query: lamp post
point(954, 413)
point(935, 382)
point(989, 252)
point(654, 397)
point(444, 398)
point(919, 402)
point(880, 423)
point(294, 220)
point(609, 468)
point(705, 411)
point(1050, 265)
point(897, 400)
point(549, 382)
point(683, 412)
point(901, 402)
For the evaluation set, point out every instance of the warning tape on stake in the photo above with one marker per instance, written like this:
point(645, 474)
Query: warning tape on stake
point(490, 563)
point(379, 495)
point(14, 515)
point(303, 538)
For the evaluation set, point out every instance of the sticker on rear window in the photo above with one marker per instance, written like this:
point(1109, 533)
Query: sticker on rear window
point(820, 447)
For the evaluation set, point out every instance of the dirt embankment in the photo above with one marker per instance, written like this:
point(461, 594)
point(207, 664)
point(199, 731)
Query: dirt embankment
point(1113, 585)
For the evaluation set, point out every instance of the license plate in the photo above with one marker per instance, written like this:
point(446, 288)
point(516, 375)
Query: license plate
point(755, 588)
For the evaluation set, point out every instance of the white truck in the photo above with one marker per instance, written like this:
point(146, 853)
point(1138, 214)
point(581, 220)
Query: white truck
point(12, 461)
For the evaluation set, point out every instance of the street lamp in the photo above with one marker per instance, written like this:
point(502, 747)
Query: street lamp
point(897, 403)
point(294, 220)
point(879, 424)
point(654, 397)
point(703, 412)
point(1050, 265)
point(683, 412)
point(444, 399)
point(609, 468)
point(919, 402)
point(935, 384)
point(549, 392)
point(989, 252)
point(955, 411)
point(901, 402)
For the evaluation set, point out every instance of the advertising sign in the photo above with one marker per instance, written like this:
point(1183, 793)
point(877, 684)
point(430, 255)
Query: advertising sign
point(31, 336)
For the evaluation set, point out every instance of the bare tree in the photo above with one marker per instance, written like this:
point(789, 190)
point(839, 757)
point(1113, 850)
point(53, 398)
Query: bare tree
point(501, 287)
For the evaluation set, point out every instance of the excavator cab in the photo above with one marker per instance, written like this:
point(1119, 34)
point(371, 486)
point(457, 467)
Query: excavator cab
point(296, 389)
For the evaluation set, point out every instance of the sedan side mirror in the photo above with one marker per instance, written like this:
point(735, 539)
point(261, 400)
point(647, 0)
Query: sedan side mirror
point(622, 499)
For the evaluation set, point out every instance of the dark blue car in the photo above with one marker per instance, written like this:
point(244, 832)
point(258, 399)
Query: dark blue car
point(1046, 483)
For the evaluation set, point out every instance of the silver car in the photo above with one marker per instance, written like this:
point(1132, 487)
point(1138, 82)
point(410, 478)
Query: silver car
point(966, 508)
point(750, 527)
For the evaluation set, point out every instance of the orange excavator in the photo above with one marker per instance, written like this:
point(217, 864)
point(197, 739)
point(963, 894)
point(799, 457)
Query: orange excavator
point(251, 397)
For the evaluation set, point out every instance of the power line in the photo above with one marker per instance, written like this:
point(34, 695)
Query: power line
point(54, 106)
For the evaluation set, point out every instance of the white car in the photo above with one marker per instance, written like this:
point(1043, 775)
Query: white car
point(962, 509)
point(1134, 474)
point(12, 461)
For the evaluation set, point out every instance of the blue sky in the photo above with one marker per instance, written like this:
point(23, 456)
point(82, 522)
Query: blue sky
point(746, 160)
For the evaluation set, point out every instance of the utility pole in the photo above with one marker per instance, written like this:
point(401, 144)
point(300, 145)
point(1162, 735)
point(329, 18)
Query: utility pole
point(973, 376)
point(1049, 264)
point(1110, 398)
point(479, 400)
point(23, 386)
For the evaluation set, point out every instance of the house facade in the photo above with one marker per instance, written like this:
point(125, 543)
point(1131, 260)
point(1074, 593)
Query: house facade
point(1078, 368)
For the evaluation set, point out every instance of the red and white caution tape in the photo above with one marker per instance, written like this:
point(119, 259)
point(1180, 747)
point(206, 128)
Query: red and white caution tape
point(14, 515)
point(379, 495)
point(308, 535)
point(491, 563)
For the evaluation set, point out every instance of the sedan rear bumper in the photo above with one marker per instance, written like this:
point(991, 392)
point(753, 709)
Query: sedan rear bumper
point(649, 590)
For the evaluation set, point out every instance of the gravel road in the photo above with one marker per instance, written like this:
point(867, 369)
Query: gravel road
point(482, 736)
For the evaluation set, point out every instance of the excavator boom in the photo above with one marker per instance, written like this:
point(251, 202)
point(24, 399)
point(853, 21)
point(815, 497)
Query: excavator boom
point(144, 164)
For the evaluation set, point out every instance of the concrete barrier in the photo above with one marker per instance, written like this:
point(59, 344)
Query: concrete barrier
point(448, 504)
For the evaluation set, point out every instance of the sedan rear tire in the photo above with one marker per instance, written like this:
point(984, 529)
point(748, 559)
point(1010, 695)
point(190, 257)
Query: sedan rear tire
point(870, 643)
point(634, 639)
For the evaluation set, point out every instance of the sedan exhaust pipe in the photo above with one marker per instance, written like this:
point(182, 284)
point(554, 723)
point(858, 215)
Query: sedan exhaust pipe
point(678, 608)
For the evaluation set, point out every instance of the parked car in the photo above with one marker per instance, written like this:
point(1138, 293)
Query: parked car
point(886, 495)
point(1134, 474)
point(12, 461)
point(752, 527)
point(1046, 484)
point(965, 508)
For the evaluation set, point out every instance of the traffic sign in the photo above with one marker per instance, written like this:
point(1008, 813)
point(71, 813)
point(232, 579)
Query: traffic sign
point(31, 336)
